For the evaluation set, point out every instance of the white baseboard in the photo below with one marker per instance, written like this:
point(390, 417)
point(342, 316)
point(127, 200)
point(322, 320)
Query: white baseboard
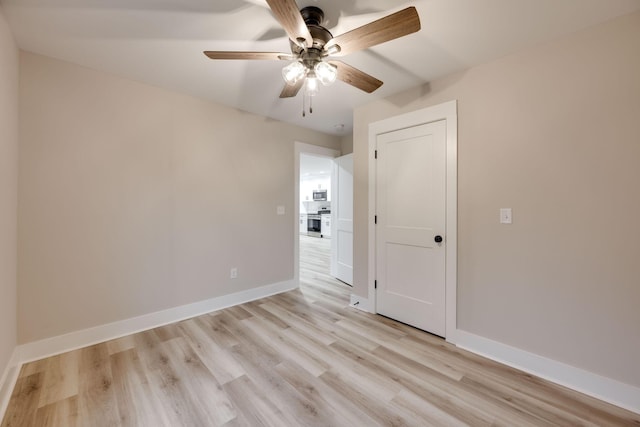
point(62, 343)
point(360, 303)
point(609, 390)
point(8, 382)
point(603, 388)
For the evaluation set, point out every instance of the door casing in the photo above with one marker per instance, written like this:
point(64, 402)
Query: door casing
point(446, 111)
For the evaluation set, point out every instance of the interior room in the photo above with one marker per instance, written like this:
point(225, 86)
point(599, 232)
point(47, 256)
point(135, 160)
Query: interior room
point(479, 262)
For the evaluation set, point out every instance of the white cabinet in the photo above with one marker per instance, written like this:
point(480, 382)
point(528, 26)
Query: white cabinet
point(325, 226)
point(303, 223)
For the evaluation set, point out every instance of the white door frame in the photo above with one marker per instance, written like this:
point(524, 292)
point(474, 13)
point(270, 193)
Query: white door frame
point(314, 150)
point(446, 111)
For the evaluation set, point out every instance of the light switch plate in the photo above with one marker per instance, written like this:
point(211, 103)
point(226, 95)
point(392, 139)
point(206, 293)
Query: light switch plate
point(506, 216)
point(280, 210)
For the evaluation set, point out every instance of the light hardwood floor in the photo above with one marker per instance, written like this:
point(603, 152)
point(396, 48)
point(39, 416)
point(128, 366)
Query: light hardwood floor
point(302, 358)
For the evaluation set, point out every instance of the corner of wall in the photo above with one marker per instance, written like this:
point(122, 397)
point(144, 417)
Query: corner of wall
point(9, 58)
point(8, 382)
point(346, 144)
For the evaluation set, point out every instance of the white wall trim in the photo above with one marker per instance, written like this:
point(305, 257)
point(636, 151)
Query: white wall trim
point(609, 390)
point(314, 150)
point(447, 111)
point(73, 340)
point(62, 343)
point(8, 382)
point(603, 388)
point(360, 303)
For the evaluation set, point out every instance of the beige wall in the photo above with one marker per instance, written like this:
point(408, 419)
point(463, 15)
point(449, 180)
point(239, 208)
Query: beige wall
point(554, 133)
point(346, 144)
point(8, 190)
point(134, 199)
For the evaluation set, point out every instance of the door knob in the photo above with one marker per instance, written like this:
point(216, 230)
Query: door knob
point(438, 239)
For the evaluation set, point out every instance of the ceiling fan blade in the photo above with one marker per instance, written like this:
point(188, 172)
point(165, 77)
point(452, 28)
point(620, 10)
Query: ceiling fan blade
point(247, 55)
point(355, 77)
point(288, 15)
point(383, 30)
point(289, 91)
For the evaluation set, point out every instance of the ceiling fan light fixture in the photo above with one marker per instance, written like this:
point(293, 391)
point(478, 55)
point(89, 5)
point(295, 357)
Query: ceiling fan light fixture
point(311, 85)
point(293, 72)
point(334, 49)
point(326, 73)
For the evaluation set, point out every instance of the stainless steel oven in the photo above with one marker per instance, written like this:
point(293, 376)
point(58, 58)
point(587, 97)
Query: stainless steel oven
point(314, 224)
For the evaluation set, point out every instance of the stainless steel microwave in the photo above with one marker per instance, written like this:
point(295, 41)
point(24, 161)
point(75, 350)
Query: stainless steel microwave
point(319, 195)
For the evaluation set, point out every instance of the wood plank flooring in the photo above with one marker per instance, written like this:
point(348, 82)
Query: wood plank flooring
point(302, 358)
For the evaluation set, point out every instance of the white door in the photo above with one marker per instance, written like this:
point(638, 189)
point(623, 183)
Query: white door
point(342, 219)
point(411, 212)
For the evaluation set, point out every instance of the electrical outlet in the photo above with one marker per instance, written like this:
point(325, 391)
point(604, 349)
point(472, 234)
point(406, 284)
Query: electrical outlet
point(234, 273)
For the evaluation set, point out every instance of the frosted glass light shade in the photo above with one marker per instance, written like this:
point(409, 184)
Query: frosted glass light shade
point(326, 73)
point(293, 72)
point(311, 86)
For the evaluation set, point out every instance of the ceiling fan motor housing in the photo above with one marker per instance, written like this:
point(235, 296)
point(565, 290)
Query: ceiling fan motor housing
point(313, 18)
point(312, 15)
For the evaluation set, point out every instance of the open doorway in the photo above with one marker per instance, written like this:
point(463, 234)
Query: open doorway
point(315, 205)
point(316, 213)
point(323, 214)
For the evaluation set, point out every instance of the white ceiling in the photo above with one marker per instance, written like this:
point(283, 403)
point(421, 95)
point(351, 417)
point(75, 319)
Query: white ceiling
point(315, 166)
point(161, 42)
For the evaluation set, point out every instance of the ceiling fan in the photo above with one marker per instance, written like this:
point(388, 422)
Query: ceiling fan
point(312, 45)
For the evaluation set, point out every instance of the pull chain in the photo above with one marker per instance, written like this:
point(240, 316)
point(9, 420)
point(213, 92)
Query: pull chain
point(304, 105)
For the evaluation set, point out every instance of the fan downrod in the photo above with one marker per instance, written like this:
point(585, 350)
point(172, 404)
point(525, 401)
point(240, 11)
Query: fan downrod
point(313, 18)
point(312, 15)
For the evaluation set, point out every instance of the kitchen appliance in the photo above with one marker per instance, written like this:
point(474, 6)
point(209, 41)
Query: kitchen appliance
point(314, 225)
point(319, 195)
